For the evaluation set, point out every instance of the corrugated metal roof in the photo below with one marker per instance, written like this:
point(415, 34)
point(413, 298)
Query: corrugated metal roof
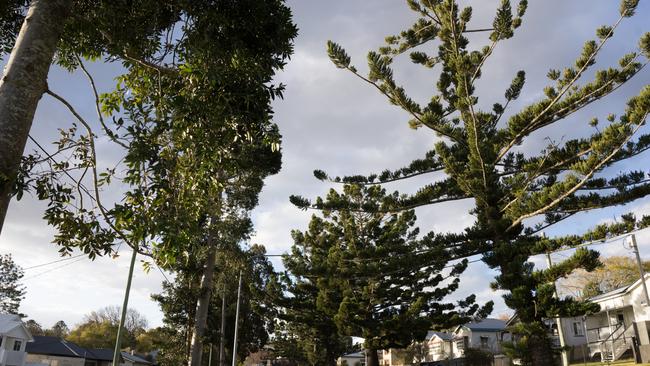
point(44, 345)
point(134, 358)
point(442, 335)
point(8, 322)
point(487, 325)
point(54, 346)
point(618, 291)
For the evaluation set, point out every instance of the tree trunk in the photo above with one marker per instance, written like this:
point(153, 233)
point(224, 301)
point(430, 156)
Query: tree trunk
point(373, 359)
point(202, 306)
point(23, 83)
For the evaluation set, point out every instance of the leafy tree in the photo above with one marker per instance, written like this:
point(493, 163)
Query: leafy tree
point(416, 352)
point(516, 195)
point(309, 343)
point(97, 335)
point(372, 274)
point(151, 340)
point(11, 291)
point(135, 322)
point(34, 328)
point(616, 272)
point(99, 328)
point(191, 114)
point(59, 329)
point(257, 313)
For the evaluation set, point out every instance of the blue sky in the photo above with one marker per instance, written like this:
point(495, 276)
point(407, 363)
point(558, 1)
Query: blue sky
point(331, 121)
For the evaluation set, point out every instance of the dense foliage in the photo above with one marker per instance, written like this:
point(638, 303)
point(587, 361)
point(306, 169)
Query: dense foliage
point(12, 292)
point(368, 274)
point(257, 312)
point(480, 150)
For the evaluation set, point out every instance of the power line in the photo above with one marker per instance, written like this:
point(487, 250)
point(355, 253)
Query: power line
point(53, 269)
point(55, 261)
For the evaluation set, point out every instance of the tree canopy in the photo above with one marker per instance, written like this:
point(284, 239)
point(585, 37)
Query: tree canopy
point(616, 272)
point(372, 276)
point(479, 148)
point(12, 292)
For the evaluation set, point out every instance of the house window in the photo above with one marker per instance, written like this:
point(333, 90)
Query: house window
point(460, 344)
point(578, 331)
point(484, 342)
point(17, 345)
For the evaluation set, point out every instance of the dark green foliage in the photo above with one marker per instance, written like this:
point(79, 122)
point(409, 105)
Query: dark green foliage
point(12, 292)
point(478, 357)
point(515, 196)
point(257, 312)
point(372, 276)
point(178, 112)
point(11, 18)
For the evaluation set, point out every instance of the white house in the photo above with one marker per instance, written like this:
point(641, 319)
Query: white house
point(486, 335)
point(439, 346)
point(352, 359)
point(14, 337)
point(624, 318)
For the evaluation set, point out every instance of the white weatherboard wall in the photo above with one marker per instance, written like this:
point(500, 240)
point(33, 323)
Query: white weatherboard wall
point(14, 336)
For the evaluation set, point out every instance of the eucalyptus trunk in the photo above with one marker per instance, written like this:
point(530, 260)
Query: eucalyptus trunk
point(202, 306)
point(23, 83)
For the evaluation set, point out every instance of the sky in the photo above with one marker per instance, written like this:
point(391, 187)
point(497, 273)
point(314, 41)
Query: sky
point(330, 120)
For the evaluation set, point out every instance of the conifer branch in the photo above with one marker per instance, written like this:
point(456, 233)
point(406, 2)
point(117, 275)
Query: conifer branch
point(483, 59)
point(566, 88)
point(551, 223)
point(588, 176)
point(599, 93)
point(405, 108)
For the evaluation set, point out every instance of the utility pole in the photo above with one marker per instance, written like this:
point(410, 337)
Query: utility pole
point(635, 248)
point(234, 344)
point(210, 356)
point(125, 305)
point(558, 320)
point(222, 336)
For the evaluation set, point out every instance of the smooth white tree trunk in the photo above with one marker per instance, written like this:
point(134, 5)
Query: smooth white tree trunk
point(23, 83)
point(202, 306)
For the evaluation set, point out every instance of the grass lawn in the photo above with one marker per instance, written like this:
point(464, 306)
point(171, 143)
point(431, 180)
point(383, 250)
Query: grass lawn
point(617, 363)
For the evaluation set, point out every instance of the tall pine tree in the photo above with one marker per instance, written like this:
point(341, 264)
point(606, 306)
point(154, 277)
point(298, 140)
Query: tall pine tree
point(516, 196)
point(373, 277)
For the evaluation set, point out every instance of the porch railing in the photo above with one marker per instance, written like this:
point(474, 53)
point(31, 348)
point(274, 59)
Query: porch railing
point(611, 347)
point(602, 333)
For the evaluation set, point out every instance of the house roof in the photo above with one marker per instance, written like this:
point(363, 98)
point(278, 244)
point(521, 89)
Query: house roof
point(486, 325)
point(101, 354)
point(55, 346)
point(11, 323)
point(355, 354)
point(442, 335)
point(134, 358)
point(44, 345)
point(620, 291)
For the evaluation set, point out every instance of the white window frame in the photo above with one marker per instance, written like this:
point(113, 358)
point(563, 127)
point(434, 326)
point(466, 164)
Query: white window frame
point(578, 329)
